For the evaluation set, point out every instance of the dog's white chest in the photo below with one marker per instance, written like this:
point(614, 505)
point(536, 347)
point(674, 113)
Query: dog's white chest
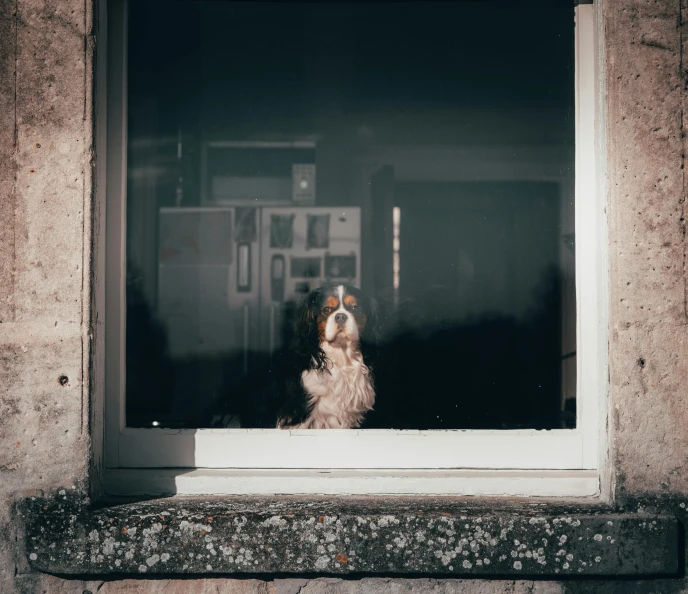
point(340, 395)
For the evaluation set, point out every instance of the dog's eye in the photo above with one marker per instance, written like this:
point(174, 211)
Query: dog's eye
point(354, 308)
point(327, 310)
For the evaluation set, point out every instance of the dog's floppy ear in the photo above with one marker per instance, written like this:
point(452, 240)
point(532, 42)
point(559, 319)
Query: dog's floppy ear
point(373, 328)
point(306, 345)
point(371, 338)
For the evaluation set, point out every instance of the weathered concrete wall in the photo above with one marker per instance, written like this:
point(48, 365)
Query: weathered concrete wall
point(646, 81)
point(45, 155)
point(304, 586)
point(46, 128)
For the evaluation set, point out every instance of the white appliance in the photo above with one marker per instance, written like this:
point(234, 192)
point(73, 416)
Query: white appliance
point(230, 277)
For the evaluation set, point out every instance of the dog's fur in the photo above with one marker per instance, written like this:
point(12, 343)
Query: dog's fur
point(335, 390)
point(324, 378)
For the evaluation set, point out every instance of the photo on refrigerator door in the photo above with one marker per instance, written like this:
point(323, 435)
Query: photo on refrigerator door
point(350, 226)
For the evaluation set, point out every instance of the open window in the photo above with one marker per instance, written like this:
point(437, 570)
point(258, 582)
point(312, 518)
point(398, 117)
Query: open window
point(440, 157)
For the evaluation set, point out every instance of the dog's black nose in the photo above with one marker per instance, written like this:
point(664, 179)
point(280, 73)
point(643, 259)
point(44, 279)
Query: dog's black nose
point(340, 318)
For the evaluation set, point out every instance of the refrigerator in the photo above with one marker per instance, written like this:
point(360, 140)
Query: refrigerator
point(230, 281)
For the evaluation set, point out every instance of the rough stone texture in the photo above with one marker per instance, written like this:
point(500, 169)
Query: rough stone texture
point(646, 82)
point(45, 287)
point(53, 153)
point(7, 149)
point(350, 535)
point(53, 585)
point(311, 586)
point(45, 154)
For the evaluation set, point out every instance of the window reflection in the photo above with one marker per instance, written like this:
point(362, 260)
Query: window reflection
point(421, 152)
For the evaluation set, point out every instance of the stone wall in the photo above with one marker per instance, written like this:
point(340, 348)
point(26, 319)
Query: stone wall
point(46, 280)
point(45, 216)
point(646, 82)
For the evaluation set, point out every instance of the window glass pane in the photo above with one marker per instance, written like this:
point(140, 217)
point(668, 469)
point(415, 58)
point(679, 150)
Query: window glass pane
point(420, 153)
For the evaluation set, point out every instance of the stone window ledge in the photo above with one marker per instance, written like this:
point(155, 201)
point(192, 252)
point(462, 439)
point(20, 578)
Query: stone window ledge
point(347, 535)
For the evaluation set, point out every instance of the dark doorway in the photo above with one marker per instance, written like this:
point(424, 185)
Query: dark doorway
point(479, 307)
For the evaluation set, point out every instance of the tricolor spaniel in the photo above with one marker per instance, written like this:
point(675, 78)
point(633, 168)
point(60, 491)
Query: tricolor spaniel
point(329, 383)
point(323, 380)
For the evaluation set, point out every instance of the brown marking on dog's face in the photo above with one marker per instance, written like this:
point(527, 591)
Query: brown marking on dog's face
point(330, 305)
point(351, 305)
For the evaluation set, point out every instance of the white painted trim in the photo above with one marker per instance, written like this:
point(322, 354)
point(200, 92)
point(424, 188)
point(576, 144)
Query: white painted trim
point(590, 321)
point(346, 448)
point(485, 483)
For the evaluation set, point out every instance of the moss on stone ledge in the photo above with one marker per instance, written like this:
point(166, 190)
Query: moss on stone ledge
point(353, 535)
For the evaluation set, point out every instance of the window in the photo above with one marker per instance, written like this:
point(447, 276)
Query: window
point(439, 158)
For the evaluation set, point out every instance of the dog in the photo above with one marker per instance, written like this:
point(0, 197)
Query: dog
point(323, 379)
point(330, 382)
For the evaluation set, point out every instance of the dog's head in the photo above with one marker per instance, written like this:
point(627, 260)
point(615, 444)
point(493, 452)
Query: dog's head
point(339, 315)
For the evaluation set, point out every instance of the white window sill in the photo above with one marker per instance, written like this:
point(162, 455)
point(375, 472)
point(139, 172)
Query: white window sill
point(487, 483)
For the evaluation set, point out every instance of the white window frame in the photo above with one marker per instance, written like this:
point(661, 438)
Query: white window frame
point(560, 462)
